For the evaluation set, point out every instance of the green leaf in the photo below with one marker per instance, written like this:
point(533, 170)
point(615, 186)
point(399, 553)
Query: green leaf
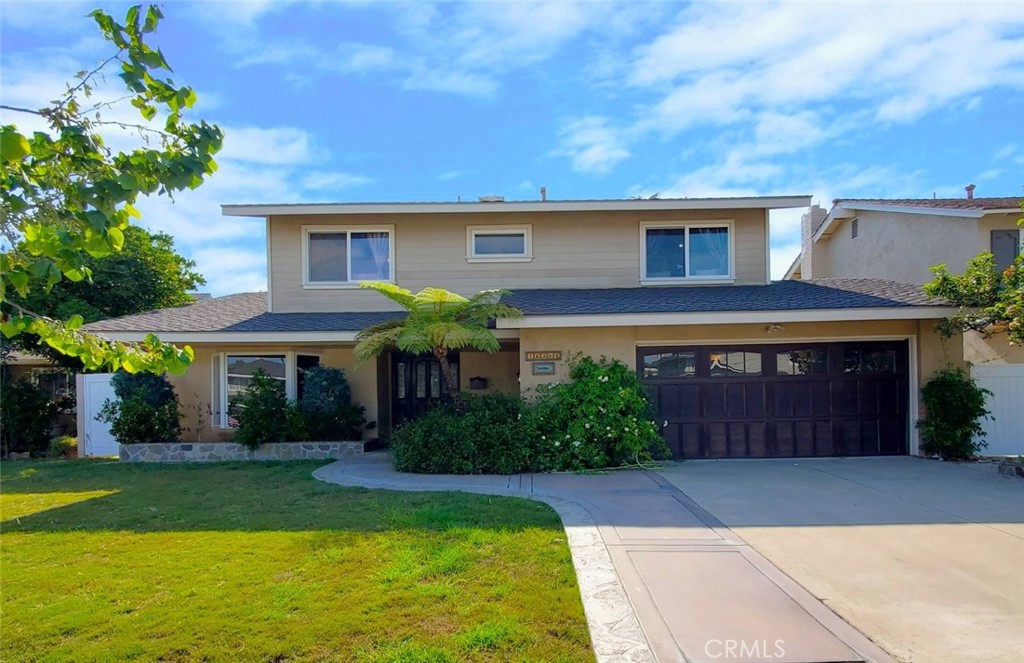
point(153, 17)
point(19, 280)
point(13, 146)
point(116, 238)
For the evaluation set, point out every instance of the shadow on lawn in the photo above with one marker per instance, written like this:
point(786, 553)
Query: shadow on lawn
point(63, 496)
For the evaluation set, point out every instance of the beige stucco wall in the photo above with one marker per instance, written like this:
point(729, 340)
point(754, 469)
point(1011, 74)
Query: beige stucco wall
point(897, 247)
point(501, 370)
point(994, 350)
point(194, 388)
point(902, 247)
point(585, 250)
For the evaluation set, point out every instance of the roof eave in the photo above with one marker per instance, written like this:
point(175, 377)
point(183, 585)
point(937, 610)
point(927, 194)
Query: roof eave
point(728, 317)
point(753, 202)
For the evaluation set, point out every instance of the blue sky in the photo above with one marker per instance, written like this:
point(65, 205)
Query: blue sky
point(393, 101)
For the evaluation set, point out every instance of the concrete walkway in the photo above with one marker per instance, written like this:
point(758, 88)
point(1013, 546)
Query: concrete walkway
point(661, 579)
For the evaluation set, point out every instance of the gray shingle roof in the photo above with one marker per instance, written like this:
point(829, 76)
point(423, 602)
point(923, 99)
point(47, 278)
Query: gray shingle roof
point(940, 203)
point(778, 296)
point(247, 312)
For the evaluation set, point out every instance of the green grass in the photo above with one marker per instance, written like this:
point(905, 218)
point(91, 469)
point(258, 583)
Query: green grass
point(101, 561)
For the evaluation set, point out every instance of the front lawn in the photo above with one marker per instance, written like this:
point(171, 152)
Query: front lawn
point(261, 562)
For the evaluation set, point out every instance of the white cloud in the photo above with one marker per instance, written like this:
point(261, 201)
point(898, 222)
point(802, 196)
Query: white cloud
point(591, 144)
point(782, 257)
point(331, 181)
point(273, 146)
point(449, 175)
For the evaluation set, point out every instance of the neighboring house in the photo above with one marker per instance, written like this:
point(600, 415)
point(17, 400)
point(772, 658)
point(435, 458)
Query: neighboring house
point(679, 289)
point(900, 240)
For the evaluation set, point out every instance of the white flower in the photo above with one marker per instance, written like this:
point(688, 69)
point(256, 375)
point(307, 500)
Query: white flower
point(607, 427)
point(557, 443)
point(543, 437)
point(518, 417)
point(601, 409)
point(576, 443)
point(586, 425)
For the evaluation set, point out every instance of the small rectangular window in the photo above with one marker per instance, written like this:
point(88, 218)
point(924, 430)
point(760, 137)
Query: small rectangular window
point(686, 252)
point(734, 364)
point(1006, 244)
point(865, 360)
point(811, 361)
point(347, 256)
point(670, 365)
point(498, 243)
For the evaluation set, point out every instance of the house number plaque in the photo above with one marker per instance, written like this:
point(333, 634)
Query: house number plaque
point(544, 355)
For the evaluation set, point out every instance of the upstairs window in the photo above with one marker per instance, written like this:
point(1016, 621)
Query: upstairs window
point(698, 251)
point(335, 257)
point(1006, 244)
point(499, 244)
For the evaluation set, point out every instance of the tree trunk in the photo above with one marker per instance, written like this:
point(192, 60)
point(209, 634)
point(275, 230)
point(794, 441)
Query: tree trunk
point(449, 378)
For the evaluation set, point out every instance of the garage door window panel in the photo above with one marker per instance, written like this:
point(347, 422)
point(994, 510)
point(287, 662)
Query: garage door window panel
point(804, 361)
point(723, 363)
point(670, 365)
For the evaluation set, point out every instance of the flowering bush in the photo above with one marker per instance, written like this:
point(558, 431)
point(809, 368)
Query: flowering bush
point(600, 419)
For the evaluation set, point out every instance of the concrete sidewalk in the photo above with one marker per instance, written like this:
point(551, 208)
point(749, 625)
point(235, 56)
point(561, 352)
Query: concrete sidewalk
point(660, 578)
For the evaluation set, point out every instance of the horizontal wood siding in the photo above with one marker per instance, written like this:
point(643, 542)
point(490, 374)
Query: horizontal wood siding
point(588, 250)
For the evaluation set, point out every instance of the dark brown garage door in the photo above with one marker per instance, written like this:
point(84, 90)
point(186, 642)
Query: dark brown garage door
point(825, 399)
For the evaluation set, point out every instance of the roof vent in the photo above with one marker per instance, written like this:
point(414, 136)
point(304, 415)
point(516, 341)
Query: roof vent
point(491, 199)
point(970, 191)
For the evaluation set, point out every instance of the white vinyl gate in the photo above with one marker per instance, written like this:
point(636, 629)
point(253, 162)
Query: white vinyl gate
point(1006, 427)
point(93, 391)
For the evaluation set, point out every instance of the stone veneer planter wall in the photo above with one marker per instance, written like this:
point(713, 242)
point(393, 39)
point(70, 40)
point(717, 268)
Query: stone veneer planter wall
point(202, 452)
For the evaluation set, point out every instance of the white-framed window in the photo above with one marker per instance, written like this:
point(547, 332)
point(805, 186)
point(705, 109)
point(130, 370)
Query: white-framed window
point(233, 372)
point(699, 251)
point(342, 256)
point(1006, 246)
point(499, 243)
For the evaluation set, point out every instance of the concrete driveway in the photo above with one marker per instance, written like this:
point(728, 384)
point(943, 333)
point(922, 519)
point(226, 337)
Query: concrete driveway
point(925, 558)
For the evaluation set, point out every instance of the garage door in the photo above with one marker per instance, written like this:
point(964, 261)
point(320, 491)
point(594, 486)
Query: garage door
point(1005, 430)
point(749, 401)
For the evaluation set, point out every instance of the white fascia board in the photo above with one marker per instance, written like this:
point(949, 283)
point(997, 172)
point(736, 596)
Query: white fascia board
point(1005, 210)
point(835, 215)
point(727, 317)
point(228, 338)
point(753, 202)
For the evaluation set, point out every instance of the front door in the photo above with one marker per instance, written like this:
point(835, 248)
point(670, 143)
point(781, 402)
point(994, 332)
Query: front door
point(417, 384)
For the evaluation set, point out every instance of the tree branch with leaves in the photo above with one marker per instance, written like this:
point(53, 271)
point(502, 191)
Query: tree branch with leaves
point(989, 300)
point(66, 196)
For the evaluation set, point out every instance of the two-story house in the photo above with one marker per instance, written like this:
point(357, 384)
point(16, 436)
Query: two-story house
point(680, 290)
point(900, 240)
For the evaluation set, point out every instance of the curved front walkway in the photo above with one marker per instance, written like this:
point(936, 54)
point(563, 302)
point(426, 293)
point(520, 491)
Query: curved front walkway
point(660, 578)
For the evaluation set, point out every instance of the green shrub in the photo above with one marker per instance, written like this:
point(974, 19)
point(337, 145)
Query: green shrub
point(490, 436)
point(63, 446)
point(327, 407)
point(262, 412)
point(601, 418)
point(954, 406)
point(26, 418)
point(146, 409)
